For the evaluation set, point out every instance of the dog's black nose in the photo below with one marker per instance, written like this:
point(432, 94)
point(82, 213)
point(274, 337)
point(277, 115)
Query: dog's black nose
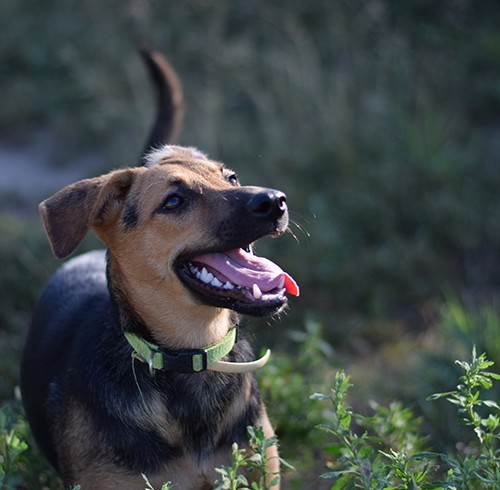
point(268, 204)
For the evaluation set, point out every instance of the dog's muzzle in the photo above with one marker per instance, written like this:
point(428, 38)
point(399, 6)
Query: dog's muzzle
point(228, 274)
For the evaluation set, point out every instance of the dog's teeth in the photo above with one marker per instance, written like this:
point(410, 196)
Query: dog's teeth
point(206, 276)
point(198, 275)
point(257, 293)
point(215, 282)
point(281, 283)
point(228, 285)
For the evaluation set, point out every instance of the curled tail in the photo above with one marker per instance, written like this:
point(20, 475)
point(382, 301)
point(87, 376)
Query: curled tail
point(170, 108)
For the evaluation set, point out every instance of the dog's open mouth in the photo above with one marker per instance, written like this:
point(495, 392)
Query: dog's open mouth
point(238, 280)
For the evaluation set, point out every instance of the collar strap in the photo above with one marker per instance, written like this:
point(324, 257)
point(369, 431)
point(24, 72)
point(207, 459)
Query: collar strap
point(192, 360)
point(182, 360)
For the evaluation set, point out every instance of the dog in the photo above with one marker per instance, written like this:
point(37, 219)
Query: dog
point(131, 365)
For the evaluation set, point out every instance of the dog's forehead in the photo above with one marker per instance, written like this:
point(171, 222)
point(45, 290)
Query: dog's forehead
point(172, 153)
point(174, 163)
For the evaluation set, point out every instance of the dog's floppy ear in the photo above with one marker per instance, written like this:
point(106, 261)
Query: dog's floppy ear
point(69, 213)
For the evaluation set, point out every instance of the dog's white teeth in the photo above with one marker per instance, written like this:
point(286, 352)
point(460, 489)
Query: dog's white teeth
point(206, 276)
point(215, 282)
point(281, 283)
point(257, 293)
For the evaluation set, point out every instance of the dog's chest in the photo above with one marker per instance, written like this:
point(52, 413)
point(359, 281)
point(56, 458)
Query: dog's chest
point(201, 406)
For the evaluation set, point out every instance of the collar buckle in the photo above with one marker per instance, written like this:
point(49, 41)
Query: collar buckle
point(185, 360)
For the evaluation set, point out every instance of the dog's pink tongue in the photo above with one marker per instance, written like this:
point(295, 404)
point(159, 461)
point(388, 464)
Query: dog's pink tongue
point(245, 269)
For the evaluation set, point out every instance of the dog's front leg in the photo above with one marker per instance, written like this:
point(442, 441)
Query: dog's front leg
point(273, 460)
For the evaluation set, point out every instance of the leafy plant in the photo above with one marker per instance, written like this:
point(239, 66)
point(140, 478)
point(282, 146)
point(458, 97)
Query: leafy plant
point(357, 460)
point(21, 465)
point(482, 468)
point(12, 446)
point(392, 456)
point(256, 462)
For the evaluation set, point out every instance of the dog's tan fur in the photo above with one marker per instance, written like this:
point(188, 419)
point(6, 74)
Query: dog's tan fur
point(141, 266)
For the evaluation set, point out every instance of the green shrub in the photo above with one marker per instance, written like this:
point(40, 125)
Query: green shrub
point(21, 464)
point(392, 456)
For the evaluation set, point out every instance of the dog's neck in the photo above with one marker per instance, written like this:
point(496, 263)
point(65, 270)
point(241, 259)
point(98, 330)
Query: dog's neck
point(165, 315)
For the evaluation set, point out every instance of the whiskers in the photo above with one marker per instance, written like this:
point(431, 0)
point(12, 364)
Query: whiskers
point(296, 229)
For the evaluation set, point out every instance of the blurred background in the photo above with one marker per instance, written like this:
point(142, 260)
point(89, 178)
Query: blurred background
point(380, 119)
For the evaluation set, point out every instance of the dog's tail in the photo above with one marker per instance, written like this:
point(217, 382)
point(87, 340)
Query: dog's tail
point(170, 107)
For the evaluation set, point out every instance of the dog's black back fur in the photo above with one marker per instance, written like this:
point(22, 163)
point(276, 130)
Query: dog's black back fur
point(73, 302)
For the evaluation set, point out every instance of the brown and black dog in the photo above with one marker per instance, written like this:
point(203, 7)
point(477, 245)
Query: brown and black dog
point(177, 271)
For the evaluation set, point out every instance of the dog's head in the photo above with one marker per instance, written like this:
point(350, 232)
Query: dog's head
point(181, 222)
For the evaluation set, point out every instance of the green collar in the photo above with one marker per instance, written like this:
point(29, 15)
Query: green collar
point(193, 360)
point(183, 360)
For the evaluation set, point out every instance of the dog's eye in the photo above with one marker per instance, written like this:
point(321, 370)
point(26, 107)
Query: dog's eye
point(173, 202)
point(233, 179)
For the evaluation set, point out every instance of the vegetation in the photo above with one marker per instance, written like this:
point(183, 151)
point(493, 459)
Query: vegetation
point(21, 464)
point(385, 450)
point(390, 453)
point(379, 118)
point(233, 477)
